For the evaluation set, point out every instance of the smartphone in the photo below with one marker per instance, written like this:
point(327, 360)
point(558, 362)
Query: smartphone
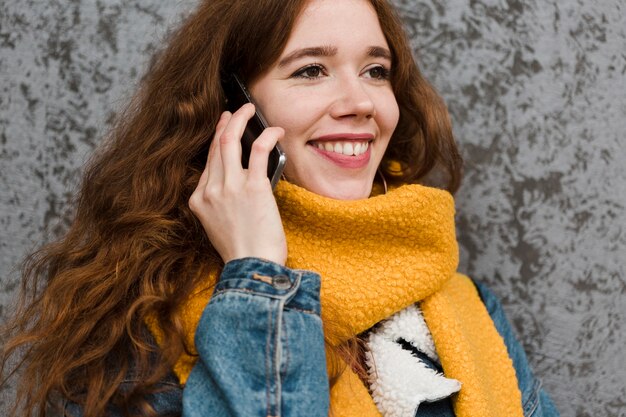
point(236, 96)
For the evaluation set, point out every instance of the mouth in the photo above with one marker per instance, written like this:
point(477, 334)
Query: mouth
point(348, 148)
point(344, 150)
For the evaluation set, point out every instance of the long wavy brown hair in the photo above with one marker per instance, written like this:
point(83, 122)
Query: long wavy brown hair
point(134, 248)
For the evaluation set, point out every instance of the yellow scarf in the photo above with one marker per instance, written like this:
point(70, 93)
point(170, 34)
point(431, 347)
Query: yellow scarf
point(376, 257)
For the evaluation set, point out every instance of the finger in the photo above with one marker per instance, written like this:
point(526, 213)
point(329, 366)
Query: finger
point(261, 148)
point(214, 165)
point(219, 129)
point(230, 141)
point(203, 178)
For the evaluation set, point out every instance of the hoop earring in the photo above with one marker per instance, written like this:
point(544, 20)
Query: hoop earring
point(380, 174)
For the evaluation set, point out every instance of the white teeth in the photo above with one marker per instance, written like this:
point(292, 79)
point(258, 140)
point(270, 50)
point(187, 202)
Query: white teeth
point(345, 148)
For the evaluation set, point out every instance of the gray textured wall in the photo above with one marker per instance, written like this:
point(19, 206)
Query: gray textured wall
point(536, 90)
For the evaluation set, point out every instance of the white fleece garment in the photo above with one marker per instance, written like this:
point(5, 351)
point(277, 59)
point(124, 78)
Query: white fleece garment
point(399, 381)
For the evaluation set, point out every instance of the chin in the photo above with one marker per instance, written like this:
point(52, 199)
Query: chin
point(341, 190)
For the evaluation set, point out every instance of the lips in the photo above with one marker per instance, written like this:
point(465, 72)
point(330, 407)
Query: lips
point(347, 150)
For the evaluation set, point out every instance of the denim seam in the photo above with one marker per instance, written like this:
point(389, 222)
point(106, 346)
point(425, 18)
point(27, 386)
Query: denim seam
point(278, 356)
point(249, 291)
point(533, 400)
point(285, 350)
point(268, 366)
point(282, 302)
point(302, 310)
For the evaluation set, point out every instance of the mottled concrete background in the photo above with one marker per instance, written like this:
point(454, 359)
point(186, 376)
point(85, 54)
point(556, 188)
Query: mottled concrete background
point(536, 91)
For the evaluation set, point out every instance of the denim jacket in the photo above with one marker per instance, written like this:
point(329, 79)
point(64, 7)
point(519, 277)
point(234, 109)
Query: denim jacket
point(261, 352)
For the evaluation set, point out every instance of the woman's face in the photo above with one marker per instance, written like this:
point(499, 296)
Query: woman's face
point(330, 91)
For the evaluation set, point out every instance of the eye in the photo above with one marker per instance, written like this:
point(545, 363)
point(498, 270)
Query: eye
point(378, 72)
point(309, 72)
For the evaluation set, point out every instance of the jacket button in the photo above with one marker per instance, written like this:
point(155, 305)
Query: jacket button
point(281, 282)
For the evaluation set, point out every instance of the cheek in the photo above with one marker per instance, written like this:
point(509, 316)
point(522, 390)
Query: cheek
point(296, 114)
point(271, 104)
point(389, 114)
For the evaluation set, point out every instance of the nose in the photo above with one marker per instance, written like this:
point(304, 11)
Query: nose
point(352, 100)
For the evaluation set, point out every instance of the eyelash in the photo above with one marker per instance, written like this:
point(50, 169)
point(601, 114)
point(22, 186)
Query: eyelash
point(385, 72)
point(302, 71)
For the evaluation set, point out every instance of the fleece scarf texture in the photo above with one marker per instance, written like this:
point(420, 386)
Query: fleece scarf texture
point(400, 381)
point(377, 257)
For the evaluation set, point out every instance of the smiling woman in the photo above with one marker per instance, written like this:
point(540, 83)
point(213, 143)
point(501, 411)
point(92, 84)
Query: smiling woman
point(331, 91)
point(185, 286)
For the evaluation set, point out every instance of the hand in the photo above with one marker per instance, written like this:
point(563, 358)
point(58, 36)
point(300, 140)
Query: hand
point(236, 206)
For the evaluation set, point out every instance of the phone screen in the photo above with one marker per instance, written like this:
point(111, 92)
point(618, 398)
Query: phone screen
point(236, 96)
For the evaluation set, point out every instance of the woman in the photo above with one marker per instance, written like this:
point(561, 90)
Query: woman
point(161, 228)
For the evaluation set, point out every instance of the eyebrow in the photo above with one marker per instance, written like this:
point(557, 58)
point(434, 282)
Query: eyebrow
point(300, 53)
point(325, 51)
point(379, 52)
